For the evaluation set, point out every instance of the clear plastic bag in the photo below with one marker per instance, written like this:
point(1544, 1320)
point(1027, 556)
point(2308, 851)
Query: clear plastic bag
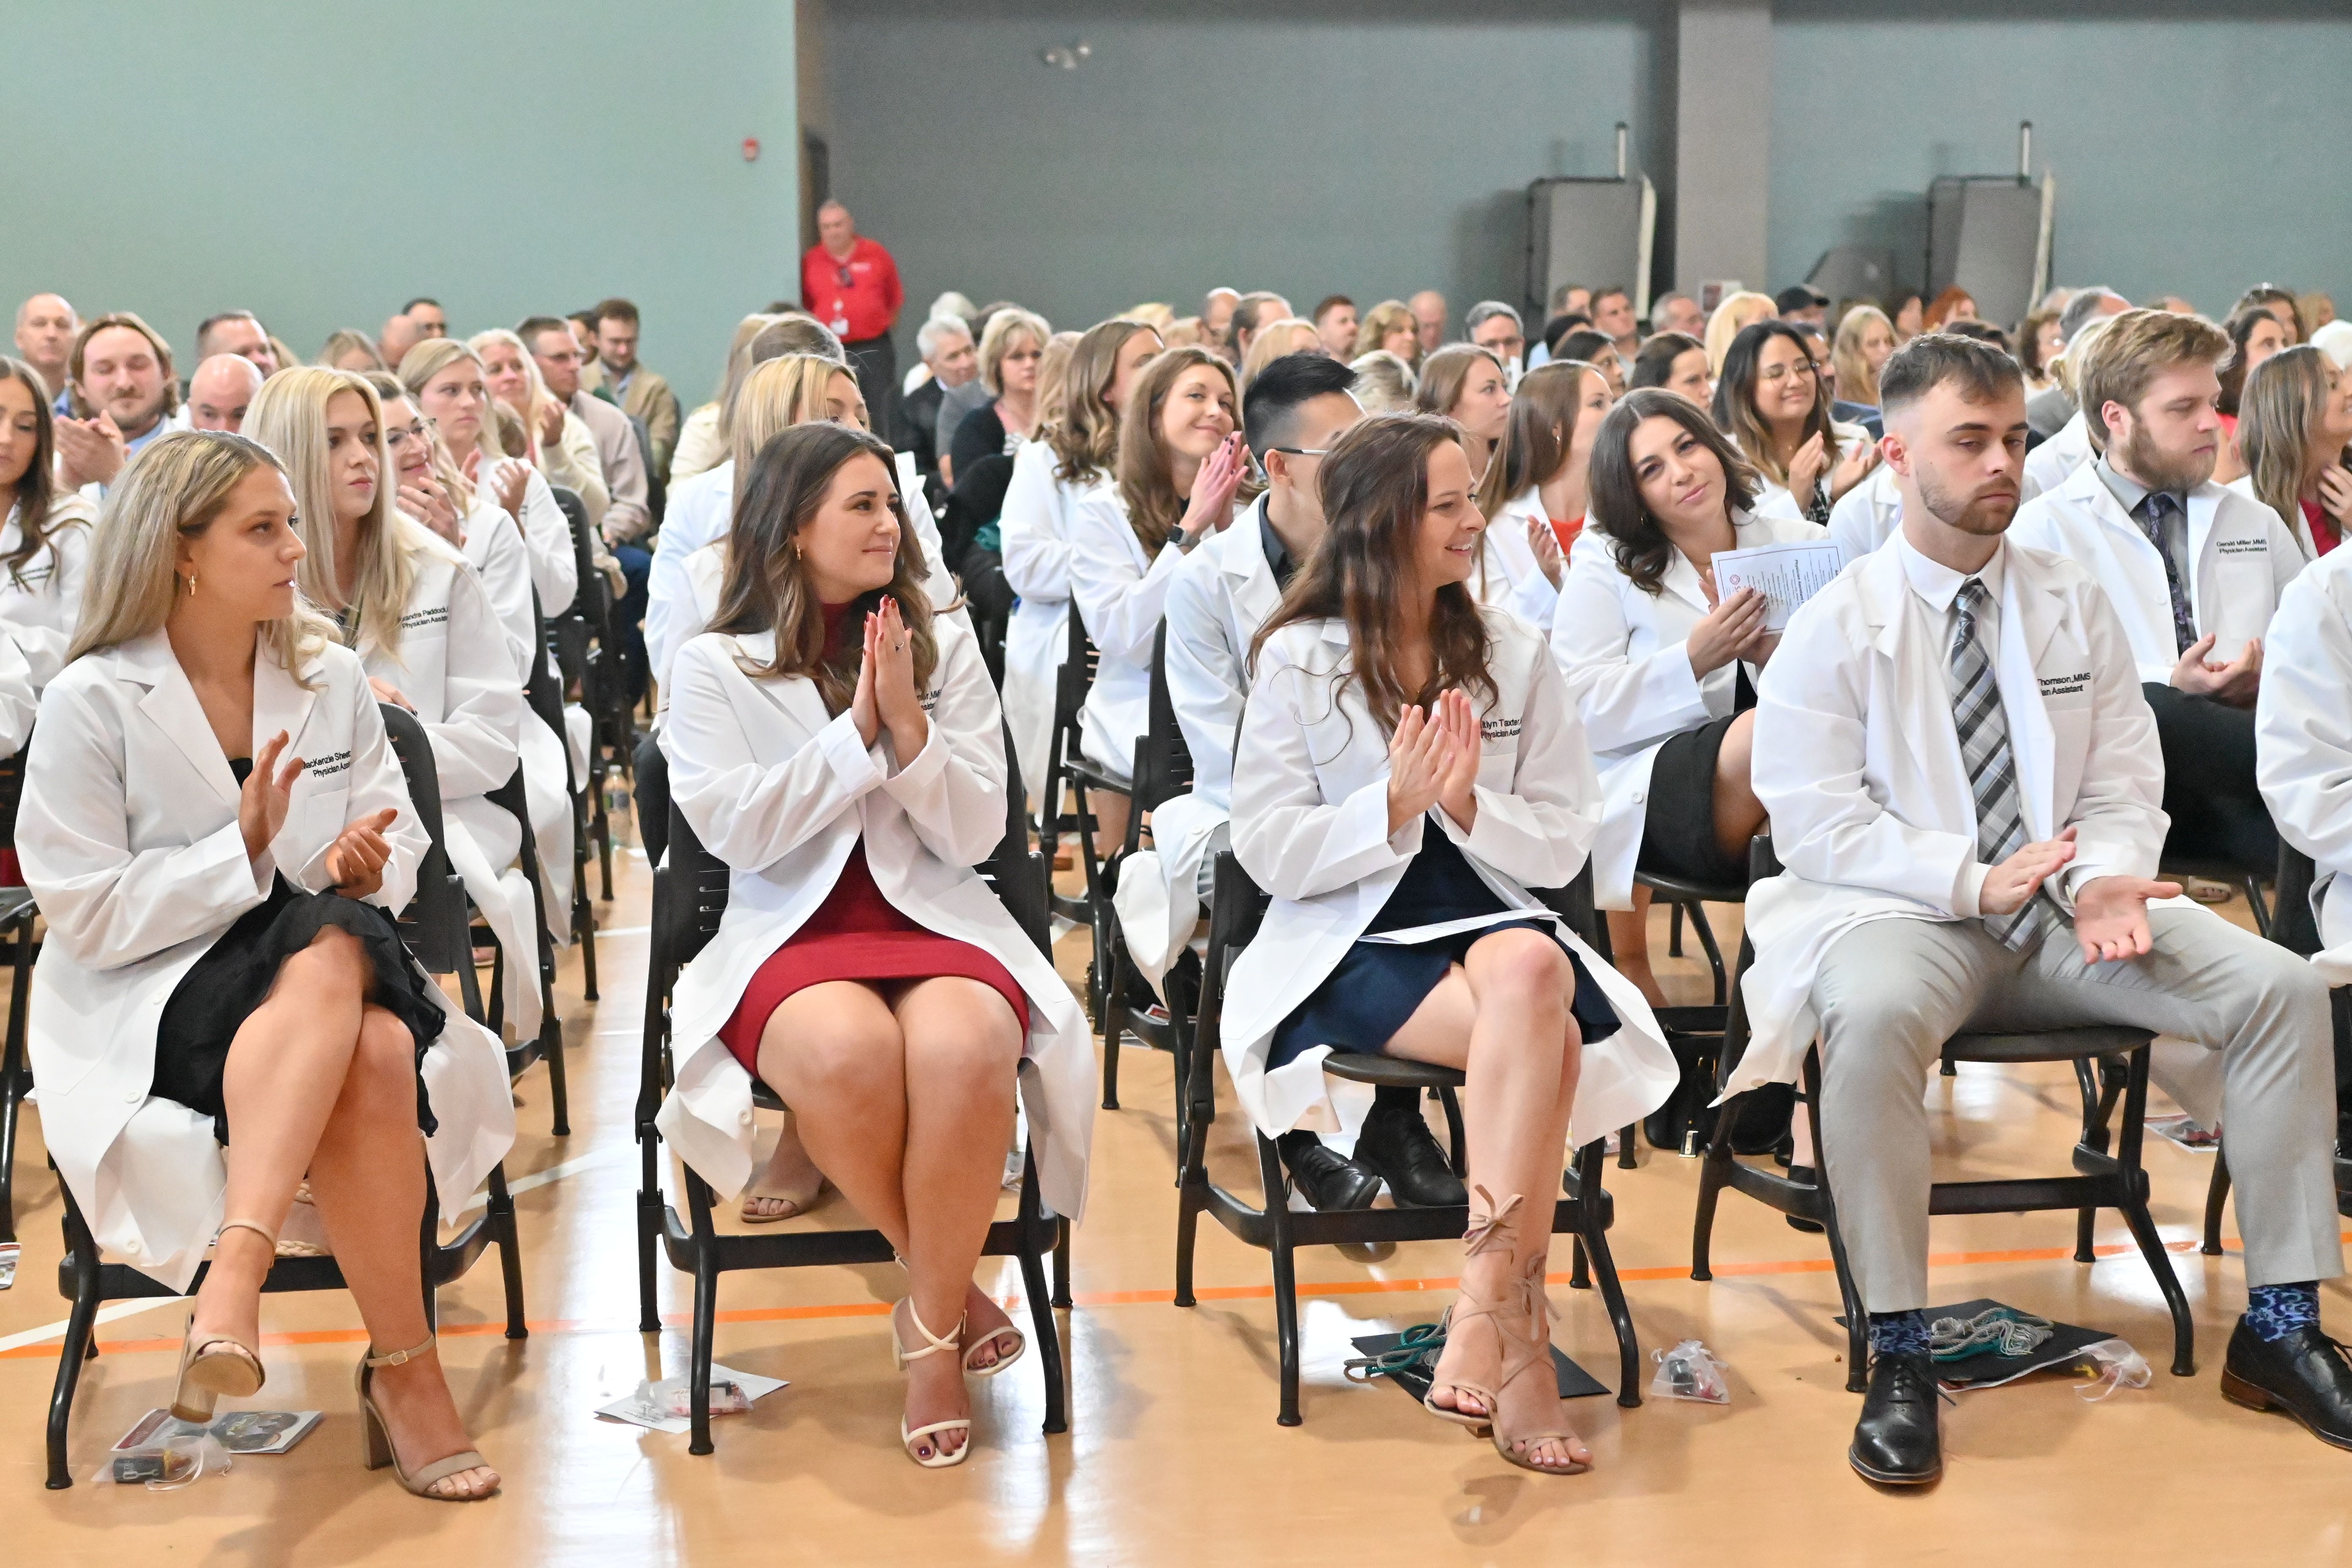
point(671, 1396)
point(1690, 1371)
point(2114, 1364)
point(167, 1457)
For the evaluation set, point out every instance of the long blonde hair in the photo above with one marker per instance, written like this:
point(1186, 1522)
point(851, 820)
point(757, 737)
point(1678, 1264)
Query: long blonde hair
point(289, 416)
point(775, 397)
point(1083, 429)
point(2279, 418)
point(1857, 381)
point(174, 489)
point(542, 400)
point(428, 359)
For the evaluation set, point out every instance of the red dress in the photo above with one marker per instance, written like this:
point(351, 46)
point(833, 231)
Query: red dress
point(857, 934)
point(2324, 536)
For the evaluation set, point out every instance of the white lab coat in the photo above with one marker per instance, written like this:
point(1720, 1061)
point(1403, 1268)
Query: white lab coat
point(2303, 743)
point(496, 551)
point(2242, 555)
point(41, 601)
point(1509, 574)
point(1858, 761)
point(1866, 514)
point(1120, 595)
point(1034, 530)
point(1311, 826)
point(1221, 598)
point(1629, 674)
point(129, 840)
point(701, 512)
point(455, 667)
point(2298, 525)
point(782, 792)
point(2050, 465)
point(554, 561)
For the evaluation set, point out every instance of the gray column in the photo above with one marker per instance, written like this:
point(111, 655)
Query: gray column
point(1723, 141)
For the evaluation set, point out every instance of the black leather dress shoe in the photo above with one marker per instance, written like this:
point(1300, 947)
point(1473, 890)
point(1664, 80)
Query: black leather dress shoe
point(1899, 1442)
point(2305, 1375)
point(1398, 1145)
point(1331, 1182)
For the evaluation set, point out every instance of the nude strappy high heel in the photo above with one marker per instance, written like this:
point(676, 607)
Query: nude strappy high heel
point(1526, 1351)
point(899, 1356)
point(378, 1436)
point(1486, 1233)
point(217, 1364)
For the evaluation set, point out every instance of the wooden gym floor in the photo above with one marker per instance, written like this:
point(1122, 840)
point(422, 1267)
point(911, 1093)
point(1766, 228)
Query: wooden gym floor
point(1173, 1454)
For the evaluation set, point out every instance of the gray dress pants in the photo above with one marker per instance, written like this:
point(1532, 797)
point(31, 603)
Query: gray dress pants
point(1889, 994)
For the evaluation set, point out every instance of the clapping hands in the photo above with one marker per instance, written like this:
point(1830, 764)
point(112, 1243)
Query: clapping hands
point(1434, 760)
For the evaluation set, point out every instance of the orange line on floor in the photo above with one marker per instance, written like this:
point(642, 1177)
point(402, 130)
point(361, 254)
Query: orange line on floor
point(1133, 1297)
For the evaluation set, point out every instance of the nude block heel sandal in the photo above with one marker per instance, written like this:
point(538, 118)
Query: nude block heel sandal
point(218, 1365)
point(378, 1436)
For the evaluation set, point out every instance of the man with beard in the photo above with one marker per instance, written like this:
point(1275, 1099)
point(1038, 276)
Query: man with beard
point(120, 376)
point(1963, 780)
point(2194, 570)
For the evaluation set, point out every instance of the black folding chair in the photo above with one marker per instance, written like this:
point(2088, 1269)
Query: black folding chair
point(2294, 927)
point(2110, 1063)
point(544, 692)
point(602, 679)
point(434, 926)
point(440, 928)
point(1163, 770)
point(17, 914)
point(1069, 771)
point(1236, 906)
point(1693, 1034)
point(690, 891)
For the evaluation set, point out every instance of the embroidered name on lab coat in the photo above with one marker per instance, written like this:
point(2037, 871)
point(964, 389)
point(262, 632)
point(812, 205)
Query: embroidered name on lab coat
point(2252, 544)
point(333, 763)
point(1499, 729)
point(930, 700)
point(437, 616)
point(2065, 685)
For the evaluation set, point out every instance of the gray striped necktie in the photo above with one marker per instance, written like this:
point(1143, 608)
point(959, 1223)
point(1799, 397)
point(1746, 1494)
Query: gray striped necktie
point(1992, 767)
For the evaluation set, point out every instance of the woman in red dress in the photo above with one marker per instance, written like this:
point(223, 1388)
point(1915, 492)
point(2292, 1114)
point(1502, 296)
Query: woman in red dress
point(842, 750)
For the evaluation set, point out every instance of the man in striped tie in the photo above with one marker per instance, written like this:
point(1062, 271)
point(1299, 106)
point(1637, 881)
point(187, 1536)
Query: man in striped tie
point(1964, 782)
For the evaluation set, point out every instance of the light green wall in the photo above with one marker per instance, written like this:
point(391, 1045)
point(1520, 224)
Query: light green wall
point(319, 164)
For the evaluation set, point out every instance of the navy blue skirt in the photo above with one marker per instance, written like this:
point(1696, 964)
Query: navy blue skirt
point(1364, 1000)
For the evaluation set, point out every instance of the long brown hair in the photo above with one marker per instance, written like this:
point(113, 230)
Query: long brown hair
point(1147, 485)
point(2279, 418)
point(1444, 373)
point(767, 589)
point(36, 485)
point(1735, 404)
point(1375, 490)
point(1544, 410)
point(1643, 550)
point(1083, 431)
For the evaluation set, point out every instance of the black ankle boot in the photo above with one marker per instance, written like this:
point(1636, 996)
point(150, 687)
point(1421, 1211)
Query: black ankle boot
point(1397, 1145)
point(1899, 1440)
point(1329, 1181)
point(2305, 1375)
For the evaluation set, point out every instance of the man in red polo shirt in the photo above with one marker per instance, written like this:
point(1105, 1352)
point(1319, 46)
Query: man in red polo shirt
point(851, 285)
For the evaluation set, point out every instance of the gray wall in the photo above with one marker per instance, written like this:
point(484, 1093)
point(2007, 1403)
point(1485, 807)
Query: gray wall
point(1370, 148)
point(322, 163)
point(2192, 157)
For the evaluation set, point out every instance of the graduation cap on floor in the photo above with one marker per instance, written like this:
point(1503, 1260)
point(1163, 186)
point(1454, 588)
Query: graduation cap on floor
point(1409, 1360)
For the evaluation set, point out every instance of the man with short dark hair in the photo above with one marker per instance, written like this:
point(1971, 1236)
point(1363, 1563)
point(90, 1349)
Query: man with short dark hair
point(1963, 779)
point(1335, 324)
point(429, 318)
point(641, 393)
point(2194, 570)
point(851, 284)
point(220, 390)
point(626, 520)
point(1677, 313)
point(1803, 302)
point(46, 328)
point(1613, 312)
point(123, 392)
point(238, 332)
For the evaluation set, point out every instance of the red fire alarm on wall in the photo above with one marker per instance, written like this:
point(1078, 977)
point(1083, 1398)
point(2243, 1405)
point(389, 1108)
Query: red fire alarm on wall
point(751, 149)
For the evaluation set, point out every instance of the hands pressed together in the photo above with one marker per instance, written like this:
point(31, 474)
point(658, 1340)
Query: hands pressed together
point(1434, 760)
point(886, 697)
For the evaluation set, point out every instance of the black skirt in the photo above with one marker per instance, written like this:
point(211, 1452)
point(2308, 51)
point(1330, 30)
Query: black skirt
point(1378, 985)
point(222, 989)
point(1678, 822)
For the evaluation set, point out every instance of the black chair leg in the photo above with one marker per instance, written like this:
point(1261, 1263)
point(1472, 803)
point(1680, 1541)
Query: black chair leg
point(551, 1038)
point(1612, 1290)
point(1705, 931)
point(1579, 1273)
point(504, 1232)
point(584, 932)
point(2143, 1223)
point(1714, 1171)
point(16, 1078)
point(706, 1328)
point(1625, 1136)
point(2216, 1195)
point(1048, 1335)
point(1188, 1227)
point(1062, 1266)
point(80, 1326)
point(1858, 1315)
point(1457, 1143)
point(1673, 931)
point(1286, 1278)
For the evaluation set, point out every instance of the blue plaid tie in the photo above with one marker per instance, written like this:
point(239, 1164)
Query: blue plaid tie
point(2154, 508)
point(1992, 768)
